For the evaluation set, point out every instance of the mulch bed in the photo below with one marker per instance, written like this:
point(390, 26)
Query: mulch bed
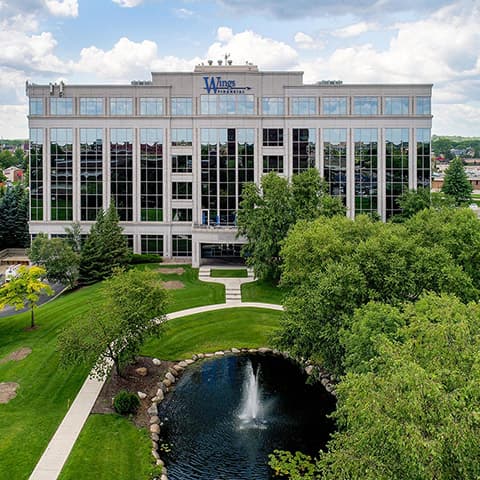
point(17, 355)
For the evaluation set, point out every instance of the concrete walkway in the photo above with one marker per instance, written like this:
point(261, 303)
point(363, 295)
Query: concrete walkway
point(53, 459)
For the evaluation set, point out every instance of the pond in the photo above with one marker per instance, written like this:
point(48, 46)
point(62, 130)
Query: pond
point(228, 414)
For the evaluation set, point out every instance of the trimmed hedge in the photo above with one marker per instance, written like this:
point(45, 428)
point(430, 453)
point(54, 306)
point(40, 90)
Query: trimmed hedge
point(125, 403)
point(137, 258)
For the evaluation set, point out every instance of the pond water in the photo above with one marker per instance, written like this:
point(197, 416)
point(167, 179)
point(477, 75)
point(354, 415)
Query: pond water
point(228, 413)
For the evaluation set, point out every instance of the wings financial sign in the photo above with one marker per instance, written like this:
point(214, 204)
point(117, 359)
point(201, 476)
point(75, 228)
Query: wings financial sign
point(218, 85)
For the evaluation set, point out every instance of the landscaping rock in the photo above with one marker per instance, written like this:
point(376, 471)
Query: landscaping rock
point(155, 436)
point(178, 368)
point(170, 377)
point(155, 454)
point(189, 361)
point(174, 372)
point(155, 428)
point(201, 355)
point(195, 357)
point(252, 350)
point(156, 361)
point(167, 382)
point(160, 463)
point(141, 395)
point(154, 419)
point(153, 410)
point(208, 355)
point(163, 477)
point(155, 445)
point(183, 364)
point(309, 369)
point(219, 354)
point(265, 350)
point(160, 394)
point(142, 371)
point(235, 350)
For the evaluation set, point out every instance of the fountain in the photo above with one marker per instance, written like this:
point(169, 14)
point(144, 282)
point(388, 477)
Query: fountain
point(251, 411)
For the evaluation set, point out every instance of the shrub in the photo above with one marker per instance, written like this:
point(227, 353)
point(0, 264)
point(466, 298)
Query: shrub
point(125, 403)
point(145, 258)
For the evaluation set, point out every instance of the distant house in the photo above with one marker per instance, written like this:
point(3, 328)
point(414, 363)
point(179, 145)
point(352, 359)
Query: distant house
point(13, 174)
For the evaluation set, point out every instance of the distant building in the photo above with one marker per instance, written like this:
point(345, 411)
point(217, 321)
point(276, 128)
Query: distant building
point(13, 174)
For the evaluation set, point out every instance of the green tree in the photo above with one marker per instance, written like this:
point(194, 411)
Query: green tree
point(132, 309)
point(74, 236)
point(14, 218)
point(104, 249)
point(7, 159)
point(57, 257)
point(25, 289)
point(456, 183)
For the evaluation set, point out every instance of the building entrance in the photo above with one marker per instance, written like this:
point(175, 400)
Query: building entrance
point(221, 253)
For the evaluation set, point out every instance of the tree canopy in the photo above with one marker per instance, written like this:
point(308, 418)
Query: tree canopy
point(14, 217)
point(456, 183)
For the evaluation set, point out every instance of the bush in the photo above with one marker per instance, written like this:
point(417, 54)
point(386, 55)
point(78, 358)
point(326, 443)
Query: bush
point(125, 403)
point(145, 258)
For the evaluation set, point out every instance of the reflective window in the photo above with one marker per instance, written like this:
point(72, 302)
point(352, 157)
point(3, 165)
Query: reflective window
point(61, 171)
point(36, 106)
point(121, 106)
point(303, 146)
point(151, 106)
point(396, 106)
point(366, 170)
point(423, 106)
point(396, 160)
point(91, 106)
point(226, 104)
point(182, 106)
point(272, 163)
point(304, 105)
point(91, 172)
point(365, 106)
point(181, 190)
point(423, 157)
point(181, 245)
point(151, 178)
point(152, 244)
point(121, 157)
point(273, 137)
point(36, 174)
point(181, 214)
point(273, 105)
point(335, 161)
point(181, 163)
point(334, 105)
point(61, 106)
point(181, 137)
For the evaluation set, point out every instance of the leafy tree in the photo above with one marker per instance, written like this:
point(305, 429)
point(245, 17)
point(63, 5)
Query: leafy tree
point(3, 178)
point(7, 159)
point(104, 249)
point(14, 218)
point(25, 289)
point(74, 236)
point(57, 257)
point(456, 183)
point(132, 309)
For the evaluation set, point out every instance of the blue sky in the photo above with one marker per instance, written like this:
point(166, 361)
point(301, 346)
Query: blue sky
point(357, 41)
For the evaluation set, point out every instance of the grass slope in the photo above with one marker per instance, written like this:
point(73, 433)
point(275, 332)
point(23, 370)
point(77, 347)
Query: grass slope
point(260, 291)
point(224, 273)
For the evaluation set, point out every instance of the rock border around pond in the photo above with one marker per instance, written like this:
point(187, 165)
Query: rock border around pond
point(174, 372)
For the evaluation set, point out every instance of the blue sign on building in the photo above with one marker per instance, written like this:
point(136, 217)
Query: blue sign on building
point(218, 85)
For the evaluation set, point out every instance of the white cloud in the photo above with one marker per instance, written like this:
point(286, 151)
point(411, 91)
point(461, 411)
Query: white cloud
point(224, 34)
point(307, 42)
point(13, 121)
point(62, 8)
point(183, 12)
point(355, 29)
point(128, 3)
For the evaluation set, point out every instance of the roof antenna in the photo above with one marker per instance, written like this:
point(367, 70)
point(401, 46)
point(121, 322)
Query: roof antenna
point(227, 55)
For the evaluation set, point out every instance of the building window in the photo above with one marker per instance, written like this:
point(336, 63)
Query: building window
point(121, 106)
point(226, 104)
point(152, 244)
point(365, 106)
point(181, 137)
point(91, 106)
point(182, 106)
point(121, 172)
point(423, 157)
point(36, 106)
point(182, 214)
point(36, 174)
point(304, 105)
point(61, 171)
point(181, 190)
point(181, 163)
point(61, 106)
point(151, 180)
point(334, 105)
point(303, 146)
point(273, 106)
point(129, 242)
point(396, 106)
point(273, 163)
point(181, 245)
point(335, 161)
point(246, 162)
point(273, 137)
point(396, 159)
point(91, 172)
point(151, 106)
point(366, 170)
point(423, 106)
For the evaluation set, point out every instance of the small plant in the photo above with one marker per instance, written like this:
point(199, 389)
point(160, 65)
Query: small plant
point(126, 403)
point(145, 258)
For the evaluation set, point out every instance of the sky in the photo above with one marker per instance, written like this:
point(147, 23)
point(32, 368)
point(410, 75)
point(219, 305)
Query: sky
point(356, 41)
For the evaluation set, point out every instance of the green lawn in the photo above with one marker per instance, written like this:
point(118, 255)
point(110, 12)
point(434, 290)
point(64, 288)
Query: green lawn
point(231, 273)
point(264, 292)
point(212, 331)
point(110, 447)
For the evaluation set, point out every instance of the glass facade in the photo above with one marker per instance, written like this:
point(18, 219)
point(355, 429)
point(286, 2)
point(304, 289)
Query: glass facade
point(181, 137)
point(121, 106)
point(121, 171)
point(151, 106)
point(396, 106)
point(273, 106)
point(182, 214)
point(36, 174)
point(366, 170)
point(365, 105)
point(335, 161)
point(304, 105)
point(91, 106)
point(151, 175)
point(91, 172)
point(182, 106)
point(36, 106)
point(423, 157)
point(152, 244)
point(226, 104)
point(273, 137)
point(303, 149)
point(61, 106)
point(423, 106)
point(396, 159)
point(334, 105)
point(273, 163)
point(181, 163)
point(61, 174)
point(181, 245)
point(181, 190)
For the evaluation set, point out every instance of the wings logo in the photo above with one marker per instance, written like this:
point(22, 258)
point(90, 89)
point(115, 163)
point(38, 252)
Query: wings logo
point(217, 85)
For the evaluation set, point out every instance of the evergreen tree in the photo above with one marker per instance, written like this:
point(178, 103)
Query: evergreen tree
point(456, 183)
point(14, 218)
point(104, 249)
